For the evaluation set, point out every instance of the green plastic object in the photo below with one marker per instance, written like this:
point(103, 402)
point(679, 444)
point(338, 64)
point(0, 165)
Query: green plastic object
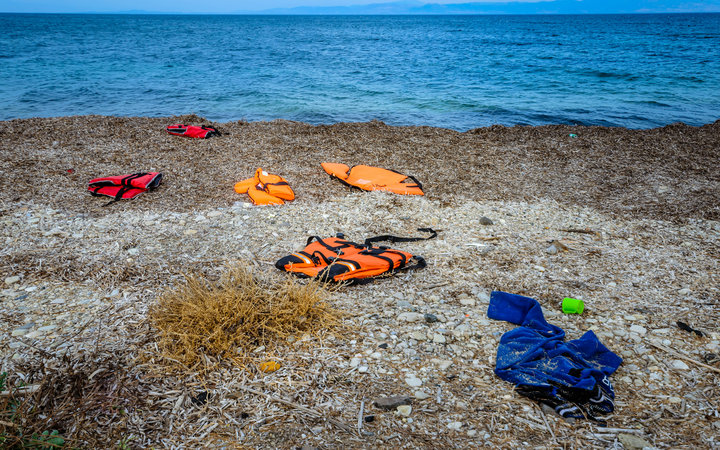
point(572, 135)
point(572, 306)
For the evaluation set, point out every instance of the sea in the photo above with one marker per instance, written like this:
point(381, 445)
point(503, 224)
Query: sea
point(458, 72)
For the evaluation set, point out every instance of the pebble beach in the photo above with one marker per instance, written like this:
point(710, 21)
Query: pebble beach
point(626, 220)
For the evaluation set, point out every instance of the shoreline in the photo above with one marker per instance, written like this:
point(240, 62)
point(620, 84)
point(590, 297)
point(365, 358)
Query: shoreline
point(87, 274)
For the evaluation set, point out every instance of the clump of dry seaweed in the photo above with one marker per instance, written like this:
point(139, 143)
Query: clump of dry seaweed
point(235, 315)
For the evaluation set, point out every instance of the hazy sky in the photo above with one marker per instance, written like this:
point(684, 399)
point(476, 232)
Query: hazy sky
point(228, 6)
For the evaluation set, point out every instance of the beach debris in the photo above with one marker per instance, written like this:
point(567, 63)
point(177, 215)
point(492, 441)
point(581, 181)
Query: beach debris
point(685, 327)
point(370, 178)
point(572, 306)
point(201, 398)
point(552, 380)
point(390, 403)
point(579, 230)
point(269, 366)
point(573, 135)
point(266, 189)
point(404, 410)
point(193, 131)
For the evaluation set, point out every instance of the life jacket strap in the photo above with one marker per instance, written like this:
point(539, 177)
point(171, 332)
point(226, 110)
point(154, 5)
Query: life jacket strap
point(393, 239)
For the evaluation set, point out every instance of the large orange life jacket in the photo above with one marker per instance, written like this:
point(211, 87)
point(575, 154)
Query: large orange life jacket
point(124, 186)
point(370, 178)
point(193, 131)
point(338, 259)
point(265, 188)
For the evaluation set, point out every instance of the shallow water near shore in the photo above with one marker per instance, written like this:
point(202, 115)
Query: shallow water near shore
point(458, 72)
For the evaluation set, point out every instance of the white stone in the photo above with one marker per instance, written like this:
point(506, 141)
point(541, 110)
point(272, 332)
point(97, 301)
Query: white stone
point(363, 369)
point(455, 426)
point(467, 302)
point(421, 395)
point(438, 338)
point(680, 365)
point(376, 355)
point(413, 381)
point(12, 280)
point(19, 332)
point(214, 213)
point(638, 329)
point(404, 410)
point(418, 335)
point(355, 362)
point(443, 364)
point(409, 317)
point(189, 232)
point(47, 328)
point(685, 291)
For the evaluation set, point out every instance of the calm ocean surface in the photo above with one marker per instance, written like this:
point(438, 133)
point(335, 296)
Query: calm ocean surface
point(457, 72)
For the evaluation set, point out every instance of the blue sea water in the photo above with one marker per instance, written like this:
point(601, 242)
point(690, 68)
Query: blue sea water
point(459, 72)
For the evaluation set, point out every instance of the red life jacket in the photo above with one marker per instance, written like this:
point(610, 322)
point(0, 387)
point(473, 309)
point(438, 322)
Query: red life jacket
point(337, 259)
point(124, 186)
point(193, 131)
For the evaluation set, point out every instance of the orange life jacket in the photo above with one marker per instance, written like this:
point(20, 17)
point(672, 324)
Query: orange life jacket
point(265, 188)
point(193, 131)
point(124, 186)
point(370, 178)
point(338, 259)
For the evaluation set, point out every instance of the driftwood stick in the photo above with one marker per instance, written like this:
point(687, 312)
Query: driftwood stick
point(542, 414)
point(360, 417)
point(686, 358)
point(579, 230)
point(302, 408)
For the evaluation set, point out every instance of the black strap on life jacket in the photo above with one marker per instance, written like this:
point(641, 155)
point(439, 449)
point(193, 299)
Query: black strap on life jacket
point(126, 186)
point(393, 239)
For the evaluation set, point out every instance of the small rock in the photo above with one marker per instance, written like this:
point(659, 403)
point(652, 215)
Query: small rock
point(632, 442)
point(472, 433)
point(443, 364)
point(418, 335)
point(638, 329)
point(551, 250)
point(12, 280)
point(390, 403)
point(455, 426)
point(369, 419)
point(214, 213)
point(684, 291)
point(133, 251)
point(439, 338)
point(47, 328)
point(363, 369)
point(355, 362)
point(189, 232)
point(19, 332)
point(404, 410)
point(413, 381)
point(680, 365)
point(421, 395)
point(485, 221)
point(409, 317)
point(467, 302)
point(383, 345)
point(675, 400)
point(431, 318)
